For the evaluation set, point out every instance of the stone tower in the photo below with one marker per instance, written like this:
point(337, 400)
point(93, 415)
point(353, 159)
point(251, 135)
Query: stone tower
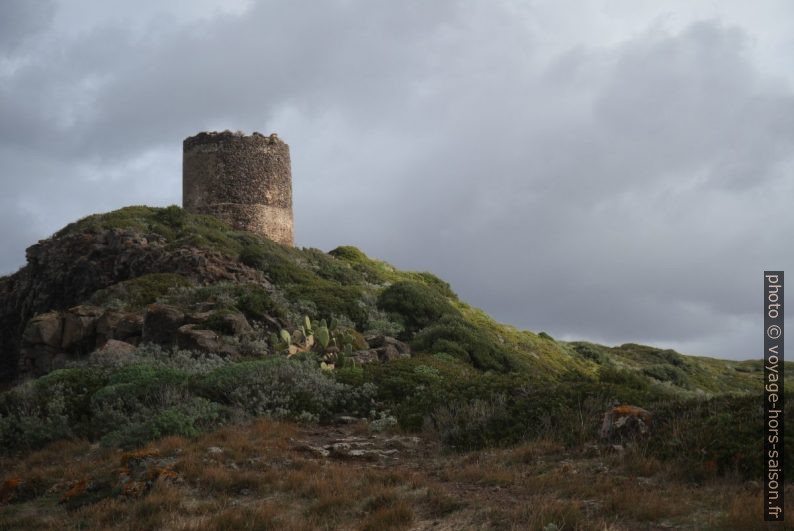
point(245, 181)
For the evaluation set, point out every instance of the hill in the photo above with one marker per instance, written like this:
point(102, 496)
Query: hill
point(141, 324)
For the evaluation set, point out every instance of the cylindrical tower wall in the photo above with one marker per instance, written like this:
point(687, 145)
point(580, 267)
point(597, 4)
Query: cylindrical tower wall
point(245, 181)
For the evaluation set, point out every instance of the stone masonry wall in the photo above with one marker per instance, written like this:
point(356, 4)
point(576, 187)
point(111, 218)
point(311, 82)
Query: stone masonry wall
point(245, 181)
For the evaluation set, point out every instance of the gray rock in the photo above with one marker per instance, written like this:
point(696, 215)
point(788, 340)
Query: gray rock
point(191, 338)
point(123, 326)
point(363, 357)
point(380, 341)
point(44, 329)
point(625, 422)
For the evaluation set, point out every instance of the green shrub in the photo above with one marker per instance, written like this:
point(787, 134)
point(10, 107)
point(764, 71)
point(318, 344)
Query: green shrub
point(29, 420)
point(471, 424)
point(331, 300)
point(282, 388)
point(453, 335)
point(436, 283)
point(622, 377)
point(349, 253)
point(646, 354)
point(53, 407)
point(135, 394)
point(667, 373)
point(141, 291)
point(590, 351)
point(186, 419)
point(256, 303)
point(276, 262)
point(416, 304)
point(372, 271)
point(723, 435)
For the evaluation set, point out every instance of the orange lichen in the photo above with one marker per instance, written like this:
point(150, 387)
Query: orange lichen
point(161, 473)
point(133, 489)
point(137, 455)
point(77, 488)
point(626, 409)
point(8, 489)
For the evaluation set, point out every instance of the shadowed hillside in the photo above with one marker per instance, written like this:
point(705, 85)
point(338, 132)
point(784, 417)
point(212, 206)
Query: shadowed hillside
point(145, 323)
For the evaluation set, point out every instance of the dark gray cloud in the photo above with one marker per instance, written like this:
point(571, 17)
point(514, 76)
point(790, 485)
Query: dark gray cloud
point(563, 180)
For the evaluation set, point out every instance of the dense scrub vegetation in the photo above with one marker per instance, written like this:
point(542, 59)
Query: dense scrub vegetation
point(471, 382)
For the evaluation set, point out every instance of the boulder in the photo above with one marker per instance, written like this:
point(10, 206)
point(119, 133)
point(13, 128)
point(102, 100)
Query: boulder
point(364, 357)
point(112, 352)
point(381, 341)
point(161, 323)
point(382, 349)
point(114, 346)
point(123, 326)
point(626, 422)
point(44, 329)
point(390, 353)
point(191, 338)
point(237, 324)
point(79, 328)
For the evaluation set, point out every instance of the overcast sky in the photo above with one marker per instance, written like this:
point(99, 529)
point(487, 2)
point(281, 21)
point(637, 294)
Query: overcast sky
point(607, 170)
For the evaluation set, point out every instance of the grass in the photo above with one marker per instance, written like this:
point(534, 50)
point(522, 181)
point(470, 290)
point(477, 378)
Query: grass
point(250, 476)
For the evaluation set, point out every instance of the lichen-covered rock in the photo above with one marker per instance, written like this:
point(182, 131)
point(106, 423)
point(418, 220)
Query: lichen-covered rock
point(626, 422)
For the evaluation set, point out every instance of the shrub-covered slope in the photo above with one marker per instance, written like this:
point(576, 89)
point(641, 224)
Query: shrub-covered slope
point(138, 255)
point(146, 322)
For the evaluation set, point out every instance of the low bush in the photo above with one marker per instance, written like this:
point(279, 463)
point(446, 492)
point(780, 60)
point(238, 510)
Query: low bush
point(623, 377)
point(718, 436)
point(187, 418)
point(667, 373)
point(590, 352)
point(136, 393)
point(257, 303)
point(141, 291)
point(416, 305)
point(452, 335)
point(282, 388)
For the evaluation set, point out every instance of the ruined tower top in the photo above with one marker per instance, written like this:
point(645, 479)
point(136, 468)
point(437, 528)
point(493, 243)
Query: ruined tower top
point(244, 180)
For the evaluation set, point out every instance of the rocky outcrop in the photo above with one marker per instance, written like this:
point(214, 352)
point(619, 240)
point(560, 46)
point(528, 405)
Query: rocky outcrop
point(382, 349)
point(52, 338)
point(68, 268)
point(626, 423)
point(190, 337)
point(162, 323)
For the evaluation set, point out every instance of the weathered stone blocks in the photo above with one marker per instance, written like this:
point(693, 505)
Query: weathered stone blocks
point(244, 180)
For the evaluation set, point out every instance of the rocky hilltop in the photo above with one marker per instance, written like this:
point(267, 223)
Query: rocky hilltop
point(180, 340)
